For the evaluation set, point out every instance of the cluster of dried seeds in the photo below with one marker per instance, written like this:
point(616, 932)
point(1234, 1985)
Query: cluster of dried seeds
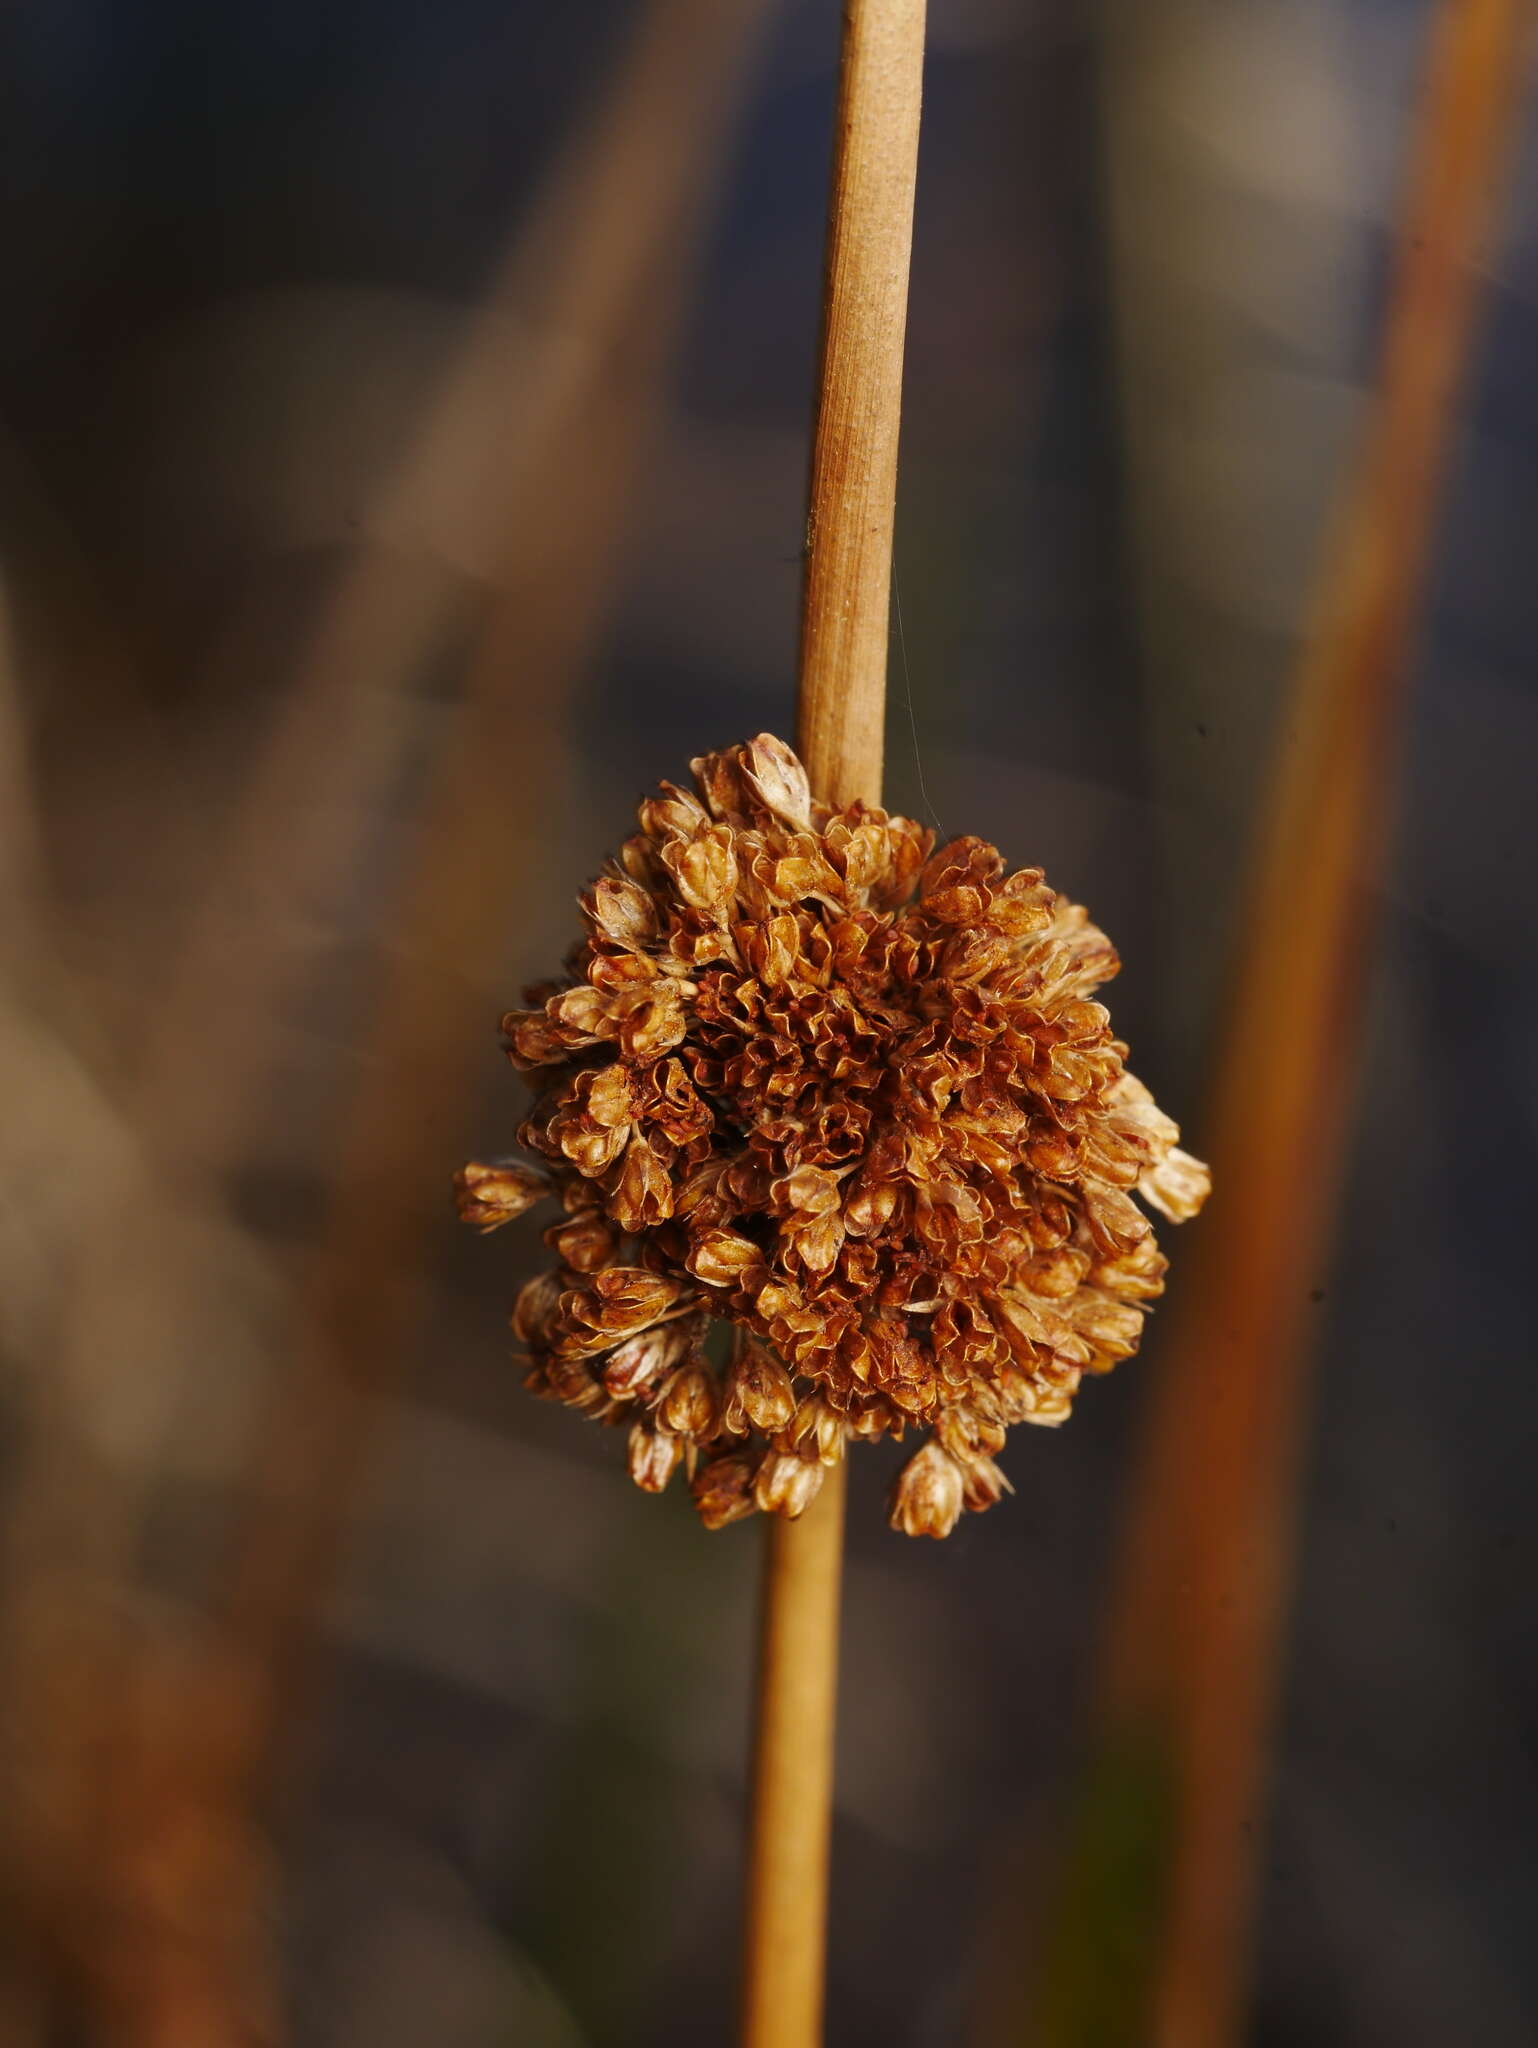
point(853, 1099)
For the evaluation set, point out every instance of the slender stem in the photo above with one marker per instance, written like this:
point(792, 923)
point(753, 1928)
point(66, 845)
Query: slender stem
point(841, 716)
point(842, 706)
point(787, 1882)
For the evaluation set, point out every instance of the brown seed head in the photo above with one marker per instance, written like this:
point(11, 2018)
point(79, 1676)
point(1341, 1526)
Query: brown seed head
point(856, 1098)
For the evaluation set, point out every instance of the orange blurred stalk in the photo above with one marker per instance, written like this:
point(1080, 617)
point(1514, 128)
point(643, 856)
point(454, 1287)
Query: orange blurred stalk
point(610, 257)
point(1200, 1606)
point(622, 261)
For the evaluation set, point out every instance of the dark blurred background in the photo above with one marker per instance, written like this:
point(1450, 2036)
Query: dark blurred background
point(403, 434)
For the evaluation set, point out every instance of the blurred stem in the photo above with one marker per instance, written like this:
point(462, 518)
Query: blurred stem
point(629, 233)
point(614, 246)
point(1200, 1606)
point(840, 723)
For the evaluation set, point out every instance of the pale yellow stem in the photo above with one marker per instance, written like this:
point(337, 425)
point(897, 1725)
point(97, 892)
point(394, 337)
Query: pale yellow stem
point(854, 458)
point(841, 716)
point(787, 1879)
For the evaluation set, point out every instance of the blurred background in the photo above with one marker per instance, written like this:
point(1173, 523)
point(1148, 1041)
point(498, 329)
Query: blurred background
point(403, 435)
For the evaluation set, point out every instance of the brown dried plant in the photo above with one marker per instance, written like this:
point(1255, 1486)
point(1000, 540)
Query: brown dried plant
point(854, 1098)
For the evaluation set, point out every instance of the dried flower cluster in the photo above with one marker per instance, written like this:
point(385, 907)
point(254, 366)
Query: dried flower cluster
point(852, 1099)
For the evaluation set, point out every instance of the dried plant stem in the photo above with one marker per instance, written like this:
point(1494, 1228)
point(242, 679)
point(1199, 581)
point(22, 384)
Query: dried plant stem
point(608, 262)
point(1203, 1593)
point(628, 231)
point(787, 1887)
point(840, 722)
point(841, 713)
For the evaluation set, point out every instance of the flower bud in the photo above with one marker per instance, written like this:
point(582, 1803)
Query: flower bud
point(773, 948)
point(654, 1019)
point(1178, 1186)
point(723, 1490)
point(643, 1195)
point(654, 1456)
point(620, 910)
point(759, 1394)
point(1053, 1406)
point(584, 1242)
point(721, 1258)
point(704, 869)
point(672, 815)
point(571, 1380)
point(581, 1015)
point(608, 1306)
point(927, 1498)
point(870, 1207)
point(818, 1430)
point(967, 1434)
point(537, 1302)
point(489, 1194)
point(983, 1484)
point(778, 780)
point(1053, 1155)
point(720, 784)
point(640, 1361)
point(866, 1424)
point(532, 1040)
point(786, 1484)
point(1111, 1328)
point(691, 1401)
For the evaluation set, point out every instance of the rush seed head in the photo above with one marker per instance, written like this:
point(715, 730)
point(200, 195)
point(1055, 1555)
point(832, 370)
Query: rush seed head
point(854, 1098)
